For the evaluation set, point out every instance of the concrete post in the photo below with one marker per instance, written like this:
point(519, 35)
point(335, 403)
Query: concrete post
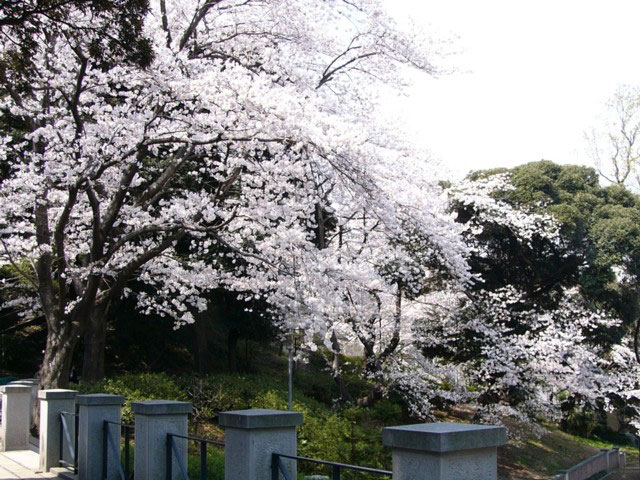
point(16, 419)
point(93, 410)
point(252, 436)
point(444, 451)
point(154, 420)
point(52, 402)
point(35, 386)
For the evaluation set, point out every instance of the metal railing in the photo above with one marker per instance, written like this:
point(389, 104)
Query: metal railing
point(605, 461)
point(112, 443)
point(72, 446)
point(278, 467)
point(172, 451)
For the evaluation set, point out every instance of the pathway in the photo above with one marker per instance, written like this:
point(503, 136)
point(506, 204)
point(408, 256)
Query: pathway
point(631, 472)
point(21, 464)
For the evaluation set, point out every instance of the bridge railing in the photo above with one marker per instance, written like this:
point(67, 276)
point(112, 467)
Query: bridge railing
point(69, 441)
point(174, 452)
point(278, 467)
point(605, 461)
point(259, 443)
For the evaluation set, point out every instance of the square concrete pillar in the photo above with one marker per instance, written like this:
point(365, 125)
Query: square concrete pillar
point(252, 436)
point(16, 417)
point(444, 451)
point(154, 420)
point(52, 403)
point(93, 410)
point(35, 386)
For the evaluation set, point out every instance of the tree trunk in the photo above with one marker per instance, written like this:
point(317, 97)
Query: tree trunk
point(201, 342)
point(56, 364)
point(95, 341)
point(335, 369)
point(373, 372)
point(232, 349)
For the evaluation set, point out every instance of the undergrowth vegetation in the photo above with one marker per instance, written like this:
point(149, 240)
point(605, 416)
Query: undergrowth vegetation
point(346, 434)
point(332, 431)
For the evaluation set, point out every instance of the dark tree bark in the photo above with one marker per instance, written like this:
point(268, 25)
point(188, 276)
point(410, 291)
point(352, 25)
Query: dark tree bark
point(374, 361)
point(95, 341)
point(56, 364)
point(201, 343)
point(336, 372)
point(232, 349)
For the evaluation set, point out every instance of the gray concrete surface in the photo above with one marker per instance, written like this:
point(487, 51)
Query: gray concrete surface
point(16, 417)
point(52, 402)
point(252, 436)
point(154, 420)
point(444, 451)
point(93, 410)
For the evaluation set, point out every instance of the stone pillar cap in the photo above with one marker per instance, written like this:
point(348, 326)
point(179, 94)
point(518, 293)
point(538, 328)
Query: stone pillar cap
point(444, 437)
point(15, 389)
point(161, 407)
point(259, 418)
point(95, 399)
point(57, 394)
point(27, 381)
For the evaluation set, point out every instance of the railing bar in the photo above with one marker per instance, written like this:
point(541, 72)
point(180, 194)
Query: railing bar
point(67, 435)
point(181, 465)
point(75, 449)
point(123, 425)
point(169, 459)
point(341, 465)
point(203, 460)
point(61, 448)
point(282, 468)
point(127, 439)
point(336, 472)
point(114, 448)
point(275, 471)
point(105, 448)
point(199, 439)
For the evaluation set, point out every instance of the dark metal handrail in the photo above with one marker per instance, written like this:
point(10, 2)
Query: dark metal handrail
point(199, 439)
point(110, 442)
point(172, 450)
point(71, 446)
point(278, 467)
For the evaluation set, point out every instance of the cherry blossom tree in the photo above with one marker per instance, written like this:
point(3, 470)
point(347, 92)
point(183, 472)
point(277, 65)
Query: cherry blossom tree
point(528, 338)
point(249, 119)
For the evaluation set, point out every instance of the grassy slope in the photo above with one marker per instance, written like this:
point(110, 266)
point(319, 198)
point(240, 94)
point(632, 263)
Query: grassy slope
point(534, 456)
point(541, 458)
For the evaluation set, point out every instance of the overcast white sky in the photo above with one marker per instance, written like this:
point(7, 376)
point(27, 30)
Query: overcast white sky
point(538, 75)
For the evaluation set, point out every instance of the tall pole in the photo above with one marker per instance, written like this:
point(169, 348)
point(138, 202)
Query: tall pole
point(291, 340)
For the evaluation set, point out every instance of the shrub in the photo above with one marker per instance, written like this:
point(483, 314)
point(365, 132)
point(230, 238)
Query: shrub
point(332, 436)
point(137, 387)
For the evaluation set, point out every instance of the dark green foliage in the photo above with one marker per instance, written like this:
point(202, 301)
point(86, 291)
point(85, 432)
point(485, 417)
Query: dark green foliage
point(215, 462)
point(338, 437)
point(597, 255)
point(137, 387)
point(115, 34)
point(600, 227)
point(352, 435)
